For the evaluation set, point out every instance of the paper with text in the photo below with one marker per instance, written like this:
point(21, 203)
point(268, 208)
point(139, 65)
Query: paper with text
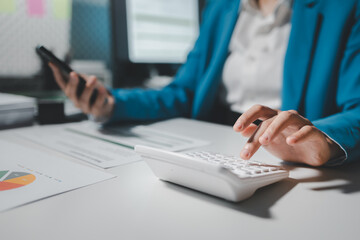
point(95, 151)
point(28, 175)
point(138, 135)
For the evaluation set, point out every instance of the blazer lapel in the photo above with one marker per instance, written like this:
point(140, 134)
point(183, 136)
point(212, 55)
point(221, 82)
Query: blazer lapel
point(221, 49)
point(306, 25)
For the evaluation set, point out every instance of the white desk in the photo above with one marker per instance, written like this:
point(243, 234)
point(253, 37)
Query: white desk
point(313, 204)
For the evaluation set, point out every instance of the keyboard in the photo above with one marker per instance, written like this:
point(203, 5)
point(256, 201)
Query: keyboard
point(220, 175)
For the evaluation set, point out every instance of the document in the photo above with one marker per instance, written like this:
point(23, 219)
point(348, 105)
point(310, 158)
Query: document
point(92, 150)
point(28, 175)
point(16, 109)
point(138, 135)
point(105, 147)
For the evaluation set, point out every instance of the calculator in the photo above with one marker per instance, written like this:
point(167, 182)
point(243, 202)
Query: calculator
point(220, 175)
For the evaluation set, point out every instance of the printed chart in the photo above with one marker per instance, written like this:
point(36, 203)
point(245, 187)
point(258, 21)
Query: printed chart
point(10, 180)
point(28, 174)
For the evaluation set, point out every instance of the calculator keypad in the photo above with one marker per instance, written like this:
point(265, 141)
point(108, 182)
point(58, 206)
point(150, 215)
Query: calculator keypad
point(241, 168)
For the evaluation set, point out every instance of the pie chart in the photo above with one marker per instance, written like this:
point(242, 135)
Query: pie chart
point(10, 180)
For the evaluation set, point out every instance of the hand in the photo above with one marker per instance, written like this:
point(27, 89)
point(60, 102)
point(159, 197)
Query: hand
point(104, 103)
point(285, 134)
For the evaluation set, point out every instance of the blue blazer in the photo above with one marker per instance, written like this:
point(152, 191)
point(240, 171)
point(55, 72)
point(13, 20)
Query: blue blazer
point(321, 71)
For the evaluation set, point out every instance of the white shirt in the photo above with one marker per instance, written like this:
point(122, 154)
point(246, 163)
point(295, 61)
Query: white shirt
point(253, 72)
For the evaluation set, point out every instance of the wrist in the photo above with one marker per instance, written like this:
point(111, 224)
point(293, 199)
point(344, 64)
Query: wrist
point(335, 149)
point(109, 107)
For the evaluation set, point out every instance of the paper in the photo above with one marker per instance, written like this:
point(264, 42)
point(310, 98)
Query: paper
point(35, 8)
point(16, 110)
point(62, 9)
point(105, 147)
point(7, 6)
point(139, 135)
point(97, 152)
point(12, 101)
point(28, 175)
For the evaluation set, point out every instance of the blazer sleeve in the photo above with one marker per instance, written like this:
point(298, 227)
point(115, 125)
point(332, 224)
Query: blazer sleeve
point(344, 127)
point(174, 100)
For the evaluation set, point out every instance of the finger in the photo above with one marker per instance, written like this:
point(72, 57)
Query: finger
point(84, 99)
point(247, 132)
point(71, 87)
point(253, 143)
point(302, 135)
point(282, 121)
point(98, 105)
point(58, 76)
point(109, 102)
point(254, 113)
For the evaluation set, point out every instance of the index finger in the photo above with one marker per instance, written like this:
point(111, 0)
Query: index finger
point(254, 113)
point(58, 76)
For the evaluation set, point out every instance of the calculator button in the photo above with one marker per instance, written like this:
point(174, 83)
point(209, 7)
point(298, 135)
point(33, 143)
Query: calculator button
point(213, 162)
point(254, 171)
point(229, 166)
point(273, 168)
point(240, 173)
point(216, 160)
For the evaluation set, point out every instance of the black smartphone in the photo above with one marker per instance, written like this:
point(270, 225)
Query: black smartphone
point(66, 69)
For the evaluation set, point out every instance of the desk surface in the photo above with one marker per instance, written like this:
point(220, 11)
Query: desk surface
point(311, 204)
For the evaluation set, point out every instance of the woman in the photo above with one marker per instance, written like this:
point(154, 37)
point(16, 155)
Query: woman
point(308, 49)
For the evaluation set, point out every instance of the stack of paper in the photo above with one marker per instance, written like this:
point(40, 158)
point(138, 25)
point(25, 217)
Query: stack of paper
point(16, 110)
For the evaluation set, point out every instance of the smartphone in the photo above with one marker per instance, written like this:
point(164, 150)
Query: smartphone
point(66, 69)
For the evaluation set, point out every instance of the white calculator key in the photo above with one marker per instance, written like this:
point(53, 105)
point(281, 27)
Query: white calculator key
point(241, 173)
